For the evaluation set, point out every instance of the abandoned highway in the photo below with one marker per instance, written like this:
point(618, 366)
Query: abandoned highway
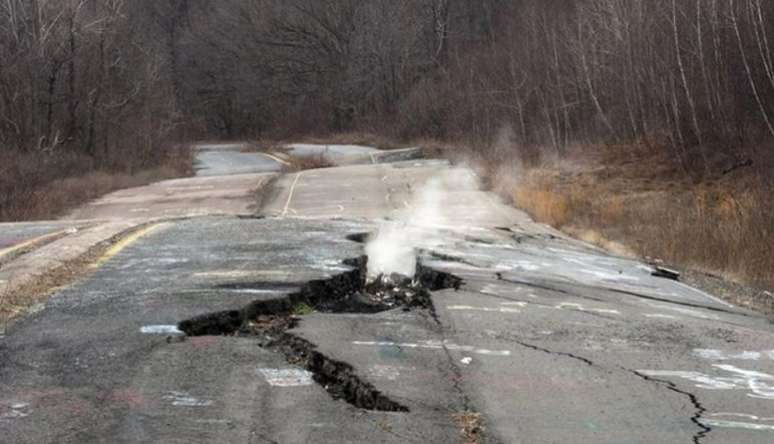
point(234, 307)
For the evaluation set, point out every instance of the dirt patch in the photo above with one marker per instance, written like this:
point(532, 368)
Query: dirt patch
point(471, 427)
point(312, 162)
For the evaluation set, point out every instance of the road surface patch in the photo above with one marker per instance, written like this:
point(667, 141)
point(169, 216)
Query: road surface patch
point(34, 276)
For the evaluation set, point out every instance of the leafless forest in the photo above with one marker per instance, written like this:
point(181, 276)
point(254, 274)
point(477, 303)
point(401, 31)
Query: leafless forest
point(111, 85)
point(113, 79)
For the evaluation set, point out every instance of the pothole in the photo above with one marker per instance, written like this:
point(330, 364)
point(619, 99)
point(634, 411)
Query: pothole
point(269, 320)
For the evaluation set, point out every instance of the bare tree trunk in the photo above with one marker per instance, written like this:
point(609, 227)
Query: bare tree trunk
point(684, 78)
point(761, 39)
point(748, 70)
point(593, 94)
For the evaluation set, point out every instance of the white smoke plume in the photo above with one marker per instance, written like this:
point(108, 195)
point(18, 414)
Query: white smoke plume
point(394, 248)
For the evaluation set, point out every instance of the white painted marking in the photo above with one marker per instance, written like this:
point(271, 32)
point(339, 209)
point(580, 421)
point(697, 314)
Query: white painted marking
point(435, 345)
point(720, 355)
point(251, 291)
point(487, 309)
point(580, 307)
point(183, 399)
point(761, 385)
point(742, 415)
point(276, 159)
point(290, 194)
point(235, 274)
point(735, 424)
point(466, 360)
point(140, 210)
point(660, 316)
point(161, 330)
point(286, 377)
point(16, 411)
point(516, 303)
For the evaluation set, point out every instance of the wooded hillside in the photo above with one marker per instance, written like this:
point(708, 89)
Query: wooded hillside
point(113, 81)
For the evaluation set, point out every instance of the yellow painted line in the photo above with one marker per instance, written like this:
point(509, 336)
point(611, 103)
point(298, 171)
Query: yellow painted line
point(125, 242)
point(30, 243)
point(290, 194)
point(276, 159)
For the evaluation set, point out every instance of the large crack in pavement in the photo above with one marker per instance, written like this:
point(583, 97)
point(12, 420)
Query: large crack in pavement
point(699, 408)
point(586, 361)
point(348, 292)
point(696, 418)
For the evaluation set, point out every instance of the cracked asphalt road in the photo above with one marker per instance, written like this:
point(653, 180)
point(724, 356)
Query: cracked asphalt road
point(549, 339)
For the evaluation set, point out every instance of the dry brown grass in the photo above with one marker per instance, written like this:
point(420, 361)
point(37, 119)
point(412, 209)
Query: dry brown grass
point(300, 163)
point(471, 427)
point(36, 186)
point(722, 226)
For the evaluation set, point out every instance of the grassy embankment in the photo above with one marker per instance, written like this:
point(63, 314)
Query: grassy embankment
point(637, 201)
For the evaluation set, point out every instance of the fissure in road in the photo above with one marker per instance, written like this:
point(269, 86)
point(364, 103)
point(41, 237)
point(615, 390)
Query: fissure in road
point(348, 292)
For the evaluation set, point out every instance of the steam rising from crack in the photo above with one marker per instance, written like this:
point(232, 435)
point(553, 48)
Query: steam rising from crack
point(394, 249)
